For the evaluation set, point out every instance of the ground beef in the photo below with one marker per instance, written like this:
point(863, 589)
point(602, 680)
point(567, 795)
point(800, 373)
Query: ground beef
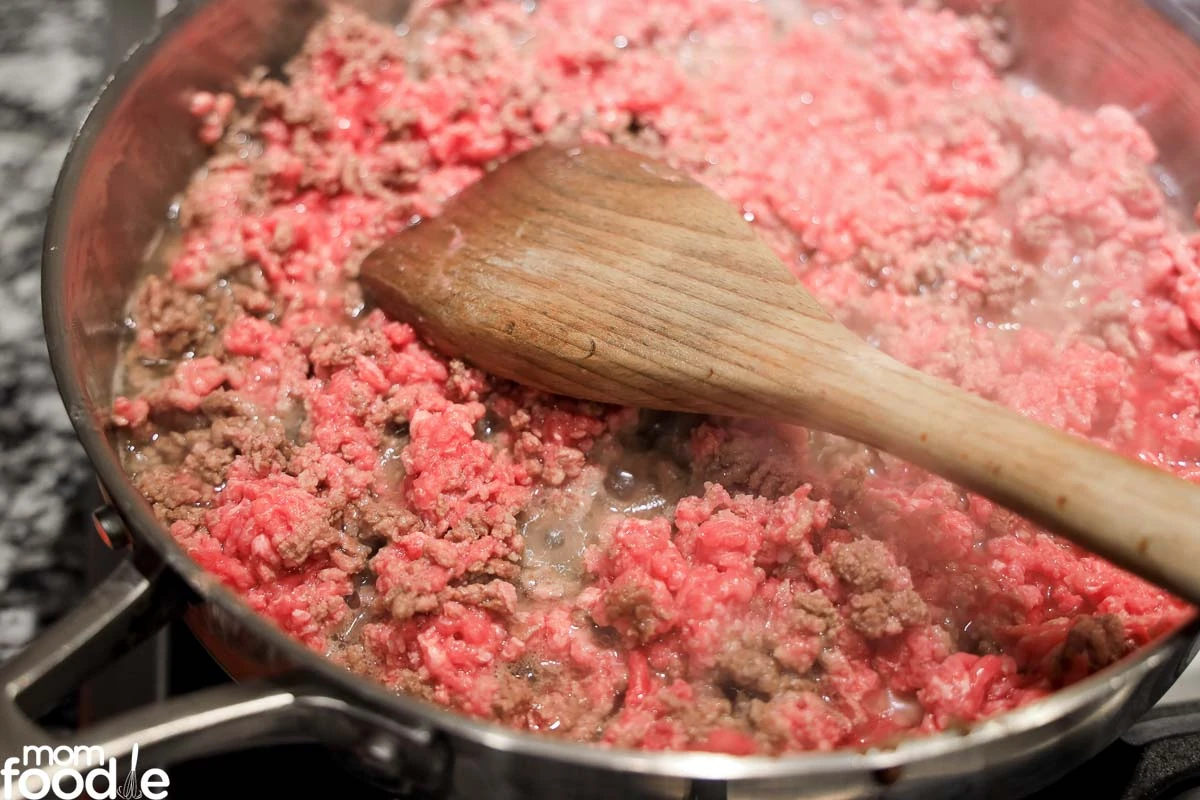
point(263, 443)
point(878, 614)
point(864, 564)
point(1093, 643)
point(208, 461)
point(169, 318)
point(750, 670)
point(634, 608)
point(642, 579)
point(174, 497)
point(749, 457)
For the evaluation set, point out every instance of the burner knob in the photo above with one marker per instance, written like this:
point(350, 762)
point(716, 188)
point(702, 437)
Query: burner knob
point(111, 527)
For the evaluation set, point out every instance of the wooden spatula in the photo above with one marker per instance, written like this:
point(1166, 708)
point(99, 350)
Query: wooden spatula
point(596, 273)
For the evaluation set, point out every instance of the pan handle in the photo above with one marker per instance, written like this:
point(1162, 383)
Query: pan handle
point(138, 598)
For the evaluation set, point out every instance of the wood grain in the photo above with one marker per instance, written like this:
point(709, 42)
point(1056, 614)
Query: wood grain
point(595, 273)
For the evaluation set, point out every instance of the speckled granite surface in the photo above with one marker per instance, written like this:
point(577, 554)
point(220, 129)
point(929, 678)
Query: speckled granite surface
point(52, 58)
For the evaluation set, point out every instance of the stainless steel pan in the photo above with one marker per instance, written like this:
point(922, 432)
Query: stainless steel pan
point(136, 150)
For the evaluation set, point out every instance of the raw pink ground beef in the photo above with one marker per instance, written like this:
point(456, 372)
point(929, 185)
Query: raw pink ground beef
point(634, 579)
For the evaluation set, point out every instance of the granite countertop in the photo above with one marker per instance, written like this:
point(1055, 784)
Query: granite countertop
point(53, 54)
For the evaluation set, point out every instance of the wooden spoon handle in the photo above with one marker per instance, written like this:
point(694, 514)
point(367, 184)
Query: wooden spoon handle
point(1136, 515)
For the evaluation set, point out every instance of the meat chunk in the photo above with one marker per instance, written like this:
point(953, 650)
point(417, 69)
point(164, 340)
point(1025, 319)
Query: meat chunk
point(1094, 642)
point(879, 613)
point(174, 496)
point(864, 564)
point(751, 670)
point(170, 319)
